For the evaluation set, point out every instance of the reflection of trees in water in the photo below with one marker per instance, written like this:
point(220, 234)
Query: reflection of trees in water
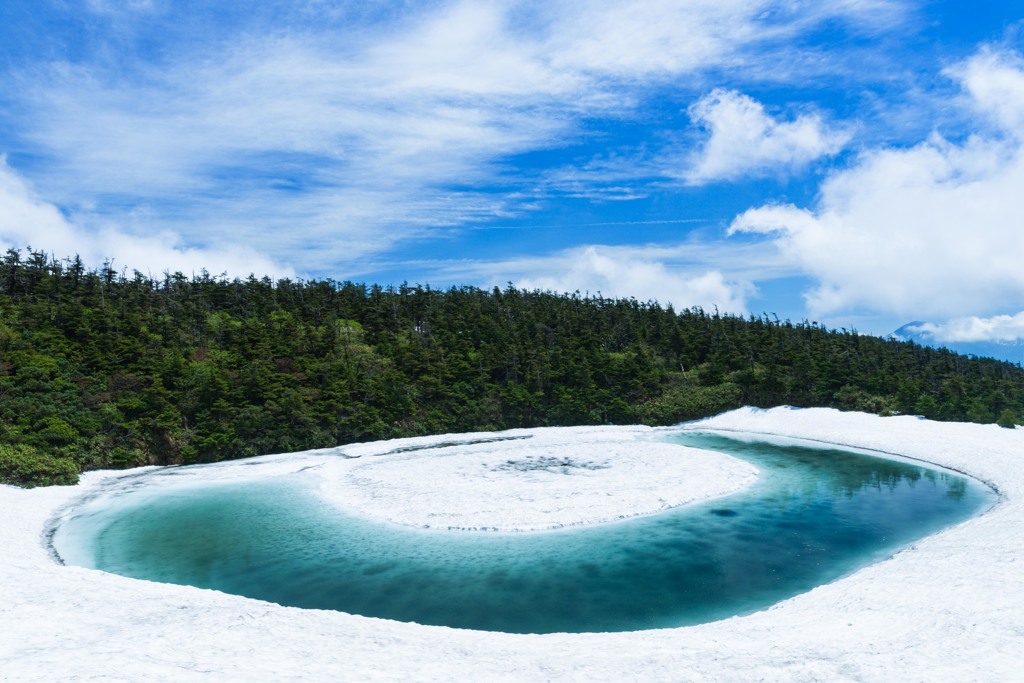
point(957, 487)
point(851, 474)
point(805, 476)
point(791, 531)
point(843, 475)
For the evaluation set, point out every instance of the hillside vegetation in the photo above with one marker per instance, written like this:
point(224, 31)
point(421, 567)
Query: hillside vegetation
point(99, 369)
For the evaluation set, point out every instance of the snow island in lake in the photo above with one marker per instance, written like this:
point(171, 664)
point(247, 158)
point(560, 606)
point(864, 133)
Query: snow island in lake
point(528, 480)
point(948, 607)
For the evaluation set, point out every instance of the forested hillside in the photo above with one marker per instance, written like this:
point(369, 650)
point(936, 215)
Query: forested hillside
point(103, 369)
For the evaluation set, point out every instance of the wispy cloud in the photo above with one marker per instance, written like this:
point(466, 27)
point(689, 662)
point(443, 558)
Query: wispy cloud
point(324, 147)
point(26, 220)
point(119, 6)
point(738, 140)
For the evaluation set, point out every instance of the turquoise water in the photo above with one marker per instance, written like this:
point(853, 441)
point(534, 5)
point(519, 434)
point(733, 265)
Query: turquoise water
point(815, 514)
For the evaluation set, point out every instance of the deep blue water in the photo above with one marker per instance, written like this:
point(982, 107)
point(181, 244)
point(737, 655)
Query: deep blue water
point(815, 514)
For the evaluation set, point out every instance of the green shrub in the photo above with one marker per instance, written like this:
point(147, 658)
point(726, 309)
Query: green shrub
point(688, 402)
point(55, 431)
point(1007, 419)
point(24, 465)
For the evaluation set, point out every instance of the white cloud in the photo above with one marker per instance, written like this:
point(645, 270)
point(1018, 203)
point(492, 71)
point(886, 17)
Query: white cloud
point(28, 221)
point(333, 146)
point(744, 140)
point(932, 230)
point(632, 38)
point(278, 141)
point(602, 269)
point(995, 82)
point(1002, 328)
point(676, 274)
point(653, 36)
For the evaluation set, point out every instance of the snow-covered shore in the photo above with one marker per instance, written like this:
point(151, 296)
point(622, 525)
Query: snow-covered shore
point(949, 608)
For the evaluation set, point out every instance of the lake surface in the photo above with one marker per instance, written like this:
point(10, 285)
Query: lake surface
point(816, 514)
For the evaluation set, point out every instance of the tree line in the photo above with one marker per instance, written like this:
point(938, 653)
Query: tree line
point(102, 369)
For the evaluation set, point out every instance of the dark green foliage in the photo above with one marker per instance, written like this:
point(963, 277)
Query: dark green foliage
point(682, 403)
point(1007, 419)
point(24, 465)
point(101, 369)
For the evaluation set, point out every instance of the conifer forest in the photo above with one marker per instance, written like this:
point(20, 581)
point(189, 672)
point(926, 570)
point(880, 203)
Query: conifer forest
point(106, 369)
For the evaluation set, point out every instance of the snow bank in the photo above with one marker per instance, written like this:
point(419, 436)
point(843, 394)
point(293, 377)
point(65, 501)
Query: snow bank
point(529, 481)
point(951, 607)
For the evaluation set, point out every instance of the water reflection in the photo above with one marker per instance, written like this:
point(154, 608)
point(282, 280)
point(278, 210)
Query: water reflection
point(814, 515)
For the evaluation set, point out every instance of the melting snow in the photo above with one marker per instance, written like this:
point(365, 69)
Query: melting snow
point(951, 607)
point(556, 478)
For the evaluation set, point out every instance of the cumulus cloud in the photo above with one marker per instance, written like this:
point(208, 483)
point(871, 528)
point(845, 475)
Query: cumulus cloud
point(676, 274)
point(931, 230)
point(28, 221)
point(595, 269)
point(1003, 328)
point(994, 80)
point(744, 140)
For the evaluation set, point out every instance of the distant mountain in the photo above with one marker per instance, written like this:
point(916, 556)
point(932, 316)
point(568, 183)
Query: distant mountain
point(1011, 351)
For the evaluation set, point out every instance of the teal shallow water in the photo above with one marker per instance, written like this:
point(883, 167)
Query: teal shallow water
point(815, 514)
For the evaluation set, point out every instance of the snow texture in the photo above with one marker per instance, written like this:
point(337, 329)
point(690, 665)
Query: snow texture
point(529, 481)
point(950, 607)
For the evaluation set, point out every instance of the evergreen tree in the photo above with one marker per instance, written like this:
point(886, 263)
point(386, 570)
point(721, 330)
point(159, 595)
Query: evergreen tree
point(100, 369)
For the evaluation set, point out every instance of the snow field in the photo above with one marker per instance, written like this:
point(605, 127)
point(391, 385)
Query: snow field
point(951, 607)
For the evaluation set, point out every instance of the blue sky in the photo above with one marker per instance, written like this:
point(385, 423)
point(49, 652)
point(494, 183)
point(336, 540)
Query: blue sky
point(856, 162)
